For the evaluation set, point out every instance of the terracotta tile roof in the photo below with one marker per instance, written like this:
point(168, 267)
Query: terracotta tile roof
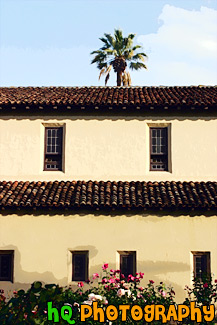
point(144, 98)
point(111, 195)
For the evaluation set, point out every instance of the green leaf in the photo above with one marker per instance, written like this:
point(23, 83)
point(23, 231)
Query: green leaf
point(37, 285)
point(20, 292)
point(49, 286)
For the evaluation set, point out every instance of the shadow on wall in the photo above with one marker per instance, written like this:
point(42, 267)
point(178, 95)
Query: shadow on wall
point(161, 267)
point(30, 277)
point(138, 213)
point(115, 116)
point(91, 249)
point(152, 271)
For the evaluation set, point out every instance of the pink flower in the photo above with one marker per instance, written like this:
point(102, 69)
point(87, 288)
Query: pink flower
point(25, 316)
point(95, 276)
point(163, 293)
point(45, 311)
point(15, 292)
point(112, 271)
point(141, 288)
point(151, 281)
point(215, 280)
point(130, 278)
point(205, 285)
point(105, 266)
point(104, 280)
point(80, 284)
point(112, 280)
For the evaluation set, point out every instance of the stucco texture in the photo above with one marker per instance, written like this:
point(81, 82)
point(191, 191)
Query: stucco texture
point(109, 149)
point(42, 245)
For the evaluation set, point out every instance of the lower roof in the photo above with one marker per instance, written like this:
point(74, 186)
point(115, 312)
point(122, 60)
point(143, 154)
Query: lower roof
point(108, 195)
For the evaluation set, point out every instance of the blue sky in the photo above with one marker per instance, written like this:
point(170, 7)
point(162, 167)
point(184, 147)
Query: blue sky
point(48, 42)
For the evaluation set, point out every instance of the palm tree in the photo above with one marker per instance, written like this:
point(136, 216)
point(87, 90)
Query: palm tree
point(115, 52)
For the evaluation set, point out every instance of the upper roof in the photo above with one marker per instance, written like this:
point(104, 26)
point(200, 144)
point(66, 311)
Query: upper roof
point(109, 195)
point(105, 98)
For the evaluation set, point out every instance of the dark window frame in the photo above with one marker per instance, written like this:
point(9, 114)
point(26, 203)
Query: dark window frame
point(85, 256)
point(160, 156)
point(47, 155)
point(10, 276)
point(126, 254)
point(205, 263)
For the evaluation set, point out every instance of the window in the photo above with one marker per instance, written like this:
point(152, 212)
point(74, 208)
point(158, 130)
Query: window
point(127, 263)
point(6, 265)
point(159, 148)
point(201, 264)
point(79, 265)
point(53, 148)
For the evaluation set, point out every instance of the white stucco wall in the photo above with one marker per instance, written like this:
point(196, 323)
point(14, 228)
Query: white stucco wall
point(42, 245)
point(105, 148)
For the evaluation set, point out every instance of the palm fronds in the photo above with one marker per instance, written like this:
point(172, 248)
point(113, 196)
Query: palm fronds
point(115, 52)
point(137, 65)
point(106, 72)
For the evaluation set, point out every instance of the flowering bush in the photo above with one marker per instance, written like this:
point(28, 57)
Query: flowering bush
point(113, 288)
point(204, 292)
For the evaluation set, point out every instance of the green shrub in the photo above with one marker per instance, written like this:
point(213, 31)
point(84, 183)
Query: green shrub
point(30, 307)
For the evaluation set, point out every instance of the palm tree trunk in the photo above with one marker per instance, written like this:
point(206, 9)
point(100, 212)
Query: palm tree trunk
point(119, 78)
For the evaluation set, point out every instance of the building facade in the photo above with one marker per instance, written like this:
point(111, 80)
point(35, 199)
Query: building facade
point(122, 175)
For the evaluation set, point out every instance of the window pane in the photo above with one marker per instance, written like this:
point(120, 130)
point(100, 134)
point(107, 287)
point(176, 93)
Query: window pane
point(201, 264)
point(158, 162)
point(6, 266)
point(79, 267)
point(159, 148)
point(127, 263)
point(54, 140)
point(53, 152)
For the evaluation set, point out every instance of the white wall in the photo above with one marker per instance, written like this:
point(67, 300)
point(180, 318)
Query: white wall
point(106, 149)
point(42, 245)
